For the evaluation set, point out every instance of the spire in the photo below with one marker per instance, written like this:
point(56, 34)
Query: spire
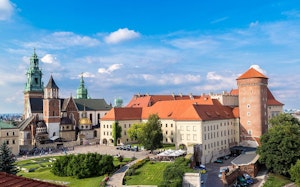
point(51, 84)
point(81, 90)
point(51, 90)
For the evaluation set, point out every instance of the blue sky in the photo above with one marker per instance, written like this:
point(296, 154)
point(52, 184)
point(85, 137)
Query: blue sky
point(156, 47)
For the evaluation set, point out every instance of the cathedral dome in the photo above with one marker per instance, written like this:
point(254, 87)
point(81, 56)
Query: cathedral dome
point(85, 121)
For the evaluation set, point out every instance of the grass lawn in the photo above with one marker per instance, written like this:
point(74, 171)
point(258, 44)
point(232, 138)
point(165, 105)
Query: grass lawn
point(148, 174)
point(276, 181)
point(42, 168)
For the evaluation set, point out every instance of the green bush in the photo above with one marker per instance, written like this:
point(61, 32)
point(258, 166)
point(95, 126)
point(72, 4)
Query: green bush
point(83, 165)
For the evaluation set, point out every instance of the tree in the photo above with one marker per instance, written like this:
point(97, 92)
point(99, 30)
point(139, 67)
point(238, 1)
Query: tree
point(116, 132)
point(7, 160)
point(134, 131)
point(280, 145)
point(284, 119)
point(295, 172)
point(151, 135)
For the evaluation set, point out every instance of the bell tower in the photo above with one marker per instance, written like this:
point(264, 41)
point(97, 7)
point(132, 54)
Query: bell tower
point(34, 87)
point(52, 108)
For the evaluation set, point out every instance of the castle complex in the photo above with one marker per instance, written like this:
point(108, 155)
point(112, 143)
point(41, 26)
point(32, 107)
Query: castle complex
point(206, 124)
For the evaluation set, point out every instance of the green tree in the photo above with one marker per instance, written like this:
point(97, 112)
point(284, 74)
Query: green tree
point(151, 135)
point(295, 172)
point(280, 145)
point(284, 119)
point(116, 132)
point(7, 160)
point(134, 131)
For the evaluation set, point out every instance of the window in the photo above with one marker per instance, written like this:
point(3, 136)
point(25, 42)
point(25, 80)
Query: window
point(248, 113)
point(248, 105)
point(250, 132)
point(171, 124)
point(166, 125)
point(194, 128)
point(249, 122)
point(13, 142)
point(7, 142)
point(7, 134)
point(171, 132)
point(166, 132)
point(195, 137)
point(166, 139)
point(124, 132)
point(187, 128)
point(172, 140)
point(124, 125)
point(13, 133)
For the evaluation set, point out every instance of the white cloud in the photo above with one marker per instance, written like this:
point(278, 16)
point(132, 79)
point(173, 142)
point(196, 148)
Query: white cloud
point(87, 74)
point(6, 9)
point(213, 76)
point(258, 69)
point(48, 59)
point(166, 79)
point(121, 35)
point(110, 69)
point(62, 40)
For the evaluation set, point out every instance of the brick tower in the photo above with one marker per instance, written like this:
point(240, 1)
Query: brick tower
point(52, 108)
point(252, 86)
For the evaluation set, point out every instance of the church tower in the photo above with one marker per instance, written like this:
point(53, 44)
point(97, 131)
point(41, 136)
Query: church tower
point(52, 108)
point(34, 87)
point(82, 92)
point(252, 86)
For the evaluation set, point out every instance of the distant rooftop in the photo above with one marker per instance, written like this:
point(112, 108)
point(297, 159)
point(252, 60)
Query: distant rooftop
point(4, 125)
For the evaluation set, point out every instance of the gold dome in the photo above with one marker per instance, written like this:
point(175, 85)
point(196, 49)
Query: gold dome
point(85, 121)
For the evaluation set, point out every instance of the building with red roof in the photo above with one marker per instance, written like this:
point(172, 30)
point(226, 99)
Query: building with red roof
point(214, 122)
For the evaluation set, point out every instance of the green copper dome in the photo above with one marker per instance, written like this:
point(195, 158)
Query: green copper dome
point(34, 75)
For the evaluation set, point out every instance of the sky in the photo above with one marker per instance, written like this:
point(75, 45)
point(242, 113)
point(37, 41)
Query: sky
point(127, 47)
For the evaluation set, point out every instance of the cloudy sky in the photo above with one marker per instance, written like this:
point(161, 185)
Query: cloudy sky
point(156, 47)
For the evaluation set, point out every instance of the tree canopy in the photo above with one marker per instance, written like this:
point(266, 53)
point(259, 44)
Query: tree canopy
point(134, 131)
point(116, 132)
point(151, 135)
point(7, 160)
point(83, 165)
point(280, 145)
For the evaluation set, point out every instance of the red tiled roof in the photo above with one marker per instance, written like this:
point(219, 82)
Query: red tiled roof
point(234, 92)
point(149, 100)
point(203, 108)
point(271, 101)
point(252, 73)
point(126, 113)
point(9, 180)
point(236, 112)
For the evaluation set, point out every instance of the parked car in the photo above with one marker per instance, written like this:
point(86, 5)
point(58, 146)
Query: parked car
point(135, 148)
point(242, 181)
point(226, 157)
point(248, 178)
point(128, 147)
